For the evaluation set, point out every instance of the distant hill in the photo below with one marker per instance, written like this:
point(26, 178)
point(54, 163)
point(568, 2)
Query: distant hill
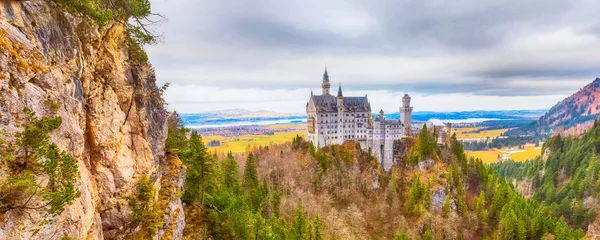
point(572, 115)
point(234, 116)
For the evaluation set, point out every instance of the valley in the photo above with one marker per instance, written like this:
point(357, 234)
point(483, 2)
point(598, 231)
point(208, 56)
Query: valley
point(243, 139)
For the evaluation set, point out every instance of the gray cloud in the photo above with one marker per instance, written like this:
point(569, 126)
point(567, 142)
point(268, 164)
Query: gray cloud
point(486, 48)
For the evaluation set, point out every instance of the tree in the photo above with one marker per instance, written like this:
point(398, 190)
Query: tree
point(425, 143)
point(33, 155)
point(299, 227)
point(446, 209)
point(134, 15)
point(176, 133)
point(414, 196)
point(231, 175)
point(199, 169)
point(144, 211)
point(250, 180)
point(318, 228)
point(480, 210)
point(458, 150)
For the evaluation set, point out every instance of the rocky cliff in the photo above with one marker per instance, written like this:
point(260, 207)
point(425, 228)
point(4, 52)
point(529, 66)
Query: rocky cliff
point(113, 119)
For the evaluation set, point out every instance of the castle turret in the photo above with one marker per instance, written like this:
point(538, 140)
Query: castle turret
point(406, 114)
point(381, 115)
point(340, 120)
point(325, 85)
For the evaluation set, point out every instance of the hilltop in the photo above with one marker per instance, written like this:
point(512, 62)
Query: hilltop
point(572, 115)
point(295, 191)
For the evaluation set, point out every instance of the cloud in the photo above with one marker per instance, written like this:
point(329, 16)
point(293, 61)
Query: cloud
point(503, 49)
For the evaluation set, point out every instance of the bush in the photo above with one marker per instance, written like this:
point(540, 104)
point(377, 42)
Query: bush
point(134, 15)
point(33, 155)
point(144, 210)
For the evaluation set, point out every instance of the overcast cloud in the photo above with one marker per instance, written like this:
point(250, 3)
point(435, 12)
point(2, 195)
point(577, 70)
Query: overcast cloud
point(449, 55)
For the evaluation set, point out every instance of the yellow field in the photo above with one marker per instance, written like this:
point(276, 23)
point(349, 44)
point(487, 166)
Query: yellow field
point(298, 126)
point(241, 143)
point(491, 156)
point(463, 133)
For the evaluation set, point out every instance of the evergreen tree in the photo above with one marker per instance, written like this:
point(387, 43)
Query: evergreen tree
point(176, 133)
point(414, 196)
point(446, 209)
point(250, 175)
point(318, 228)
point(200, 167)
point(480, 209)
point(425, 145)
point(300, 226)
point(231, 175)
point(458, 150)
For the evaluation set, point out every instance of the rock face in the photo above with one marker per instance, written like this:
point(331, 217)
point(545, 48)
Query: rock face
point(114, 122)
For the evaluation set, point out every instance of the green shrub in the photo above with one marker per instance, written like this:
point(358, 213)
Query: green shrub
point(144, 210)
point(135, 15)
point(32, 155)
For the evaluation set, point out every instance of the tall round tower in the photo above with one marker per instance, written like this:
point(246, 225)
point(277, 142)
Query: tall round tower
point(325, 85)
point(406, 114)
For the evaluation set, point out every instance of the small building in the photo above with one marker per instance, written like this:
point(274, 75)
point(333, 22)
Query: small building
point(444, 130)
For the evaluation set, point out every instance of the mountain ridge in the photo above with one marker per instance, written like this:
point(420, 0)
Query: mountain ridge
point(571, 116)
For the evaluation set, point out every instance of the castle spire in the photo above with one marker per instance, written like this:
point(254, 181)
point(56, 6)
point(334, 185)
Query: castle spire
point(340, 91)
point(325, 76)
point(325, 85)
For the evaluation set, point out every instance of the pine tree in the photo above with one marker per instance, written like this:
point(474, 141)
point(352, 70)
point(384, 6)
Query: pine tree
point(200, 166)
point(250, 175)
point(231, 175)
point(318, 228)
point(414, 196)
point(299, 227)
point(176, 133)
point(446, 209)
point(425, 145)
point(458, 150)
point(480, 210)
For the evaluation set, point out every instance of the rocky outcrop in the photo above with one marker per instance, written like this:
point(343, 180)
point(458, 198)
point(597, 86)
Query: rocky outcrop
point(114, 122)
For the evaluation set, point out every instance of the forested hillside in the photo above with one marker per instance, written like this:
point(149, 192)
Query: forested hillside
point(565, 180)
point(575, 110)
point(294, 191)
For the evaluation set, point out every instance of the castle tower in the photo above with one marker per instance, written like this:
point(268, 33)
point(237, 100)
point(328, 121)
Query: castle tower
point(325, 85)
point(340, 118)
point(406, 114)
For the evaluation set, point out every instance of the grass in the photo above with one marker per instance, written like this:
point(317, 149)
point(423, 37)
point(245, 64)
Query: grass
point(491, 156)
point(476, 132)
point(242, 143)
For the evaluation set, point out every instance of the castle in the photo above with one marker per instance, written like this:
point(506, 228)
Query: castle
point(335, 119)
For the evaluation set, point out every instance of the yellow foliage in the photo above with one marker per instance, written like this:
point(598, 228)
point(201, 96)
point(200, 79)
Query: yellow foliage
point(20, 56)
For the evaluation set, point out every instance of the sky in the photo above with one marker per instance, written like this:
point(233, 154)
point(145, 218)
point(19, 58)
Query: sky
point(448, 55)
